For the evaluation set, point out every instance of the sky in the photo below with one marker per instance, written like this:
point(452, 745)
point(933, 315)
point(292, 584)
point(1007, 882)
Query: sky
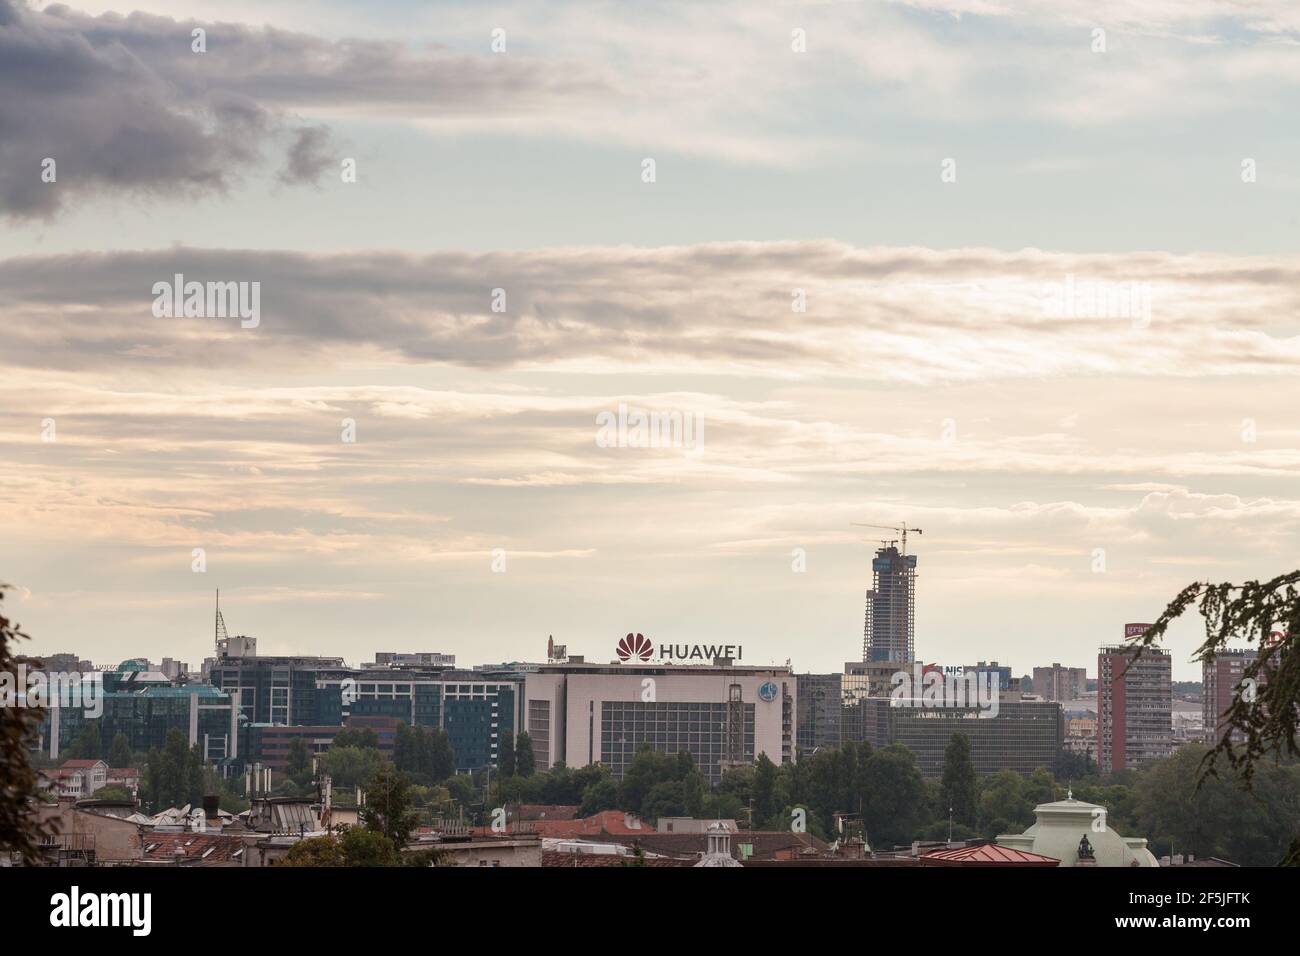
point(855, 244)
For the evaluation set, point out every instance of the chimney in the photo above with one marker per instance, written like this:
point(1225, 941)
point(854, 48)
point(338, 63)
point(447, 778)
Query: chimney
point(211, 803)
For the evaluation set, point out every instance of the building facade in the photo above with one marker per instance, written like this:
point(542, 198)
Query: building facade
point(145, 711)
point(476, 709)
point(889, 632)
point(723, 715)
point(1060, 683)
point(1221, 682)
point(820, 711)
point(1023, 736)
point(1134, 705)
point(275, 690)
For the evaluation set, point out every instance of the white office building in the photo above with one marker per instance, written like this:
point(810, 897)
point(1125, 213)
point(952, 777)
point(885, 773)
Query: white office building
point(722, 714)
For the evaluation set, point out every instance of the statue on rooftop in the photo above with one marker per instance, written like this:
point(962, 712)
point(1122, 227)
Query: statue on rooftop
point(1085, 849)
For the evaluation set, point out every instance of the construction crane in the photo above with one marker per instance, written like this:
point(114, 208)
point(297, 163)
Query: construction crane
point(896, 600)
point(902, 531)
point(221, 622)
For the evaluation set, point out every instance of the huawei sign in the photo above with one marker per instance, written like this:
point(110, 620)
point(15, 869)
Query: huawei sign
point(635, 646)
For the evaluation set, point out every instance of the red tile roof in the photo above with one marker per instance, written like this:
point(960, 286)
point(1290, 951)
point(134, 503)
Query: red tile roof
point(986, 854)
point(78, 764)
point(548, 811)
point(162, 847)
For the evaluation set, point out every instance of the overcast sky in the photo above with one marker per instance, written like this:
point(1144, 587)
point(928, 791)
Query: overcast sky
point(854, 265)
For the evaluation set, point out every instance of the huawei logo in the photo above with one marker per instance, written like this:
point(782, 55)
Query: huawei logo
point(635, 646)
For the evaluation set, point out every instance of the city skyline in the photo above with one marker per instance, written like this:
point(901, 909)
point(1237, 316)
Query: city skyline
point(930, 263)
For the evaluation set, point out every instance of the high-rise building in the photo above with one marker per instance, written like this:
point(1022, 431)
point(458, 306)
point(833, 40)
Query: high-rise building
point(889, 633)
point(819, 711)
point(1134, 704)
point(1060, 683)
point(1220, 684)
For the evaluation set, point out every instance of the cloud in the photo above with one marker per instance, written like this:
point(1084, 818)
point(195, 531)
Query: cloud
point(903, 315)
point(125, 106)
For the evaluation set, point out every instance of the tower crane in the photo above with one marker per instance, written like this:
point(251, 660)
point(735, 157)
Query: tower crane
point(902, 531)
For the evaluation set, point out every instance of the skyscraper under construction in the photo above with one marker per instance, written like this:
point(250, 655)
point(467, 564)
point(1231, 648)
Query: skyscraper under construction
point(890, 631)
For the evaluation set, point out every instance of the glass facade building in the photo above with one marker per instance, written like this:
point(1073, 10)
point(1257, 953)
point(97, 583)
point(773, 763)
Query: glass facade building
point(700, 729)
point(146, 714)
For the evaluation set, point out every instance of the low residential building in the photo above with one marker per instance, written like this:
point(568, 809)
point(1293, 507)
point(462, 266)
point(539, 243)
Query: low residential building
point(193, 849)
point(77, 779)
point(88, 835)
point(514, 850)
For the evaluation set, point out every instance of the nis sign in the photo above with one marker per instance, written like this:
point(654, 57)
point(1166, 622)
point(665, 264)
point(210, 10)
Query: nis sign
point(638, 649)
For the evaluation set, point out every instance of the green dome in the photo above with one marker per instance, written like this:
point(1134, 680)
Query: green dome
point(1063, 824)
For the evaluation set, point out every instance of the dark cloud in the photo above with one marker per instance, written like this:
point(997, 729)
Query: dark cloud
point(882, 314)
point(124, 105)
point(312, 151)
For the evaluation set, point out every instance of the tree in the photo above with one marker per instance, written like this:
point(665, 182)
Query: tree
point(461, 789)
point(894, 798)
point(765, 799)
point(957, 788)
point(506, 762)
point(153, 780)
point(525, 766)
point(665, 799)
point(442, 760)
point(1004, 807)
point(298, 761)
point(174, 778)
point(599, 796)
point(648, 769)
point(1072, 765)
point(355, 846)
point(20, 788)
point(406, 755)
point(365, 738)
point(88, 744)
point(119, 754)
point(388, 809)
point(351, 767)
point(1267, 712)
point(115, 792)
point(695, 794)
